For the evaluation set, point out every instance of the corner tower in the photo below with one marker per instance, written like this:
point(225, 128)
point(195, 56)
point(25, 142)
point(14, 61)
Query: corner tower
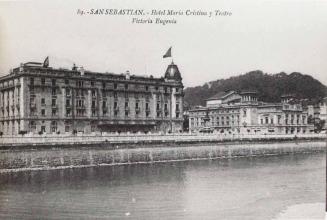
point(174, 92)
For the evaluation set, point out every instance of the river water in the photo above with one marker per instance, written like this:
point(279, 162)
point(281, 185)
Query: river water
point(242, 188)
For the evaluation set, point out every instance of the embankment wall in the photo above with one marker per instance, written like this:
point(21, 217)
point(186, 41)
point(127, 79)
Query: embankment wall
point(57, 157)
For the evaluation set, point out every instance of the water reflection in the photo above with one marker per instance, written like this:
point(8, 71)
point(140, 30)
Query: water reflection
point(244, 188)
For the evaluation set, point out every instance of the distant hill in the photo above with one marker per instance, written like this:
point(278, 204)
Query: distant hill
point(269, 86)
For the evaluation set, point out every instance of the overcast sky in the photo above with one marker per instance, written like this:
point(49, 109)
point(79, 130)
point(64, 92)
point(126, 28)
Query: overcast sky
point(272, 36)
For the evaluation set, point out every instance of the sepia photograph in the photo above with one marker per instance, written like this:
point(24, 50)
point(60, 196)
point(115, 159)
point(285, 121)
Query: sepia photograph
point(152, 110)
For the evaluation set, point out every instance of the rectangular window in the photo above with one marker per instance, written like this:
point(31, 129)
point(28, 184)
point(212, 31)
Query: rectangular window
point(54, 91)
point(67, 102)
point(66, 81)
point(54, 101)
point(42, 81)
point(67, 92)
point(67, 128)
point(43, 101)
point(43, 112)
point(68, 112)
point(54, 112)
point(53, 82)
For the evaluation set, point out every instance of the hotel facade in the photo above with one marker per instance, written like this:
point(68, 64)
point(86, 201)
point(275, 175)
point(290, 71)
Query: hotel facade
point(242, 113)
point(36, 98)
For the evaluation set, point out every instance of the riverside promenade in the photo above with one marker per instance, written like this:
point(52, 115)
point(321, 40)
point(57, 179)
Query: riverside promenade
point(126, 138)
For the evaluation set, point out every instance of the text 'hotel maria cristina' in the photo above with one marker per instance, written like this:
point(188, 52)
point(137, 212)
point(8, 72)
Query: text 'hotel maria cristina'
point(40, 99)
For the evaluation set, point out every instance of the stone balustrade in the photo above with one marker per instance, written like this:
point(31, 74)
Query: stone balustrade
point(53, 139)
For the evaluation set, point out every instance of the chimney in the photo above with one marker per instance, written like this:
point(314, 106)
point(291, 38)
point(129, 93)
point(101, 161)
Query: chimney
point(128, 75)
point(21, 68)
point(81, 69)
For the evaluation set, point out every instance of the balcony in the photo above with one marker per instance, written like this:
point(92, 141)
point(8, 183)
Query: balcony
point(80, 107)
point(179, 93)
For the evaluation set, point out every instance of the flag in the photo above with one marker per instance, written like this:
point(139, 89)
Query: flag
point(168, 53)
point(46, 62)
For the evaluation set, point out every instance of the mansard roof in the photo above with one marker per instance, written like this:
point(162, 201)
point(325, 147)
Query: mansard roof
point(220, 95)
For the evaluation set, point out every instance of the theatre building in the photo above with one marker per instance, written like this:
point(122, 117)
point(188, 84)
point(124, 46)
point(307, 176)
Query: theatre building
point(40, 99)
point(241, 113)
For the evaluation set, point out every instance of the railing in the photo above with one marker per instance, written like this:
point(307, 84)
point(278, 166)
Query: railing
point(80, 138)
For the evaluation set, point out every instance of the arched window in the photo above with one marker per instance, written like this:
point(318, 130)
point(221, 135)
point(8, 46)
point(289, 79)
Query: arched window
point(53, 126)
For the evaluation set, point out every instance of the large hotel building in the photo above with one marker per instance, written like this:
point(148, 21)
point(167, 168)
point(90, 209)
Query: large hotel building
point(39, 99)
point(241, 113)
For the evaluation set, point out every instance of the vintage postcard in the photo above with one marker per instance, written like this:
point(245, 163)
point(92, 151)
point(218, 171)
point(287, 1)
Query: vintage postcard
point(163, 109)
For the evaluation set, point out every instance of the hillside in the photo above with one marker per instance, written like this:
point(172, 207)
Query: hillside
point(269, 86)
